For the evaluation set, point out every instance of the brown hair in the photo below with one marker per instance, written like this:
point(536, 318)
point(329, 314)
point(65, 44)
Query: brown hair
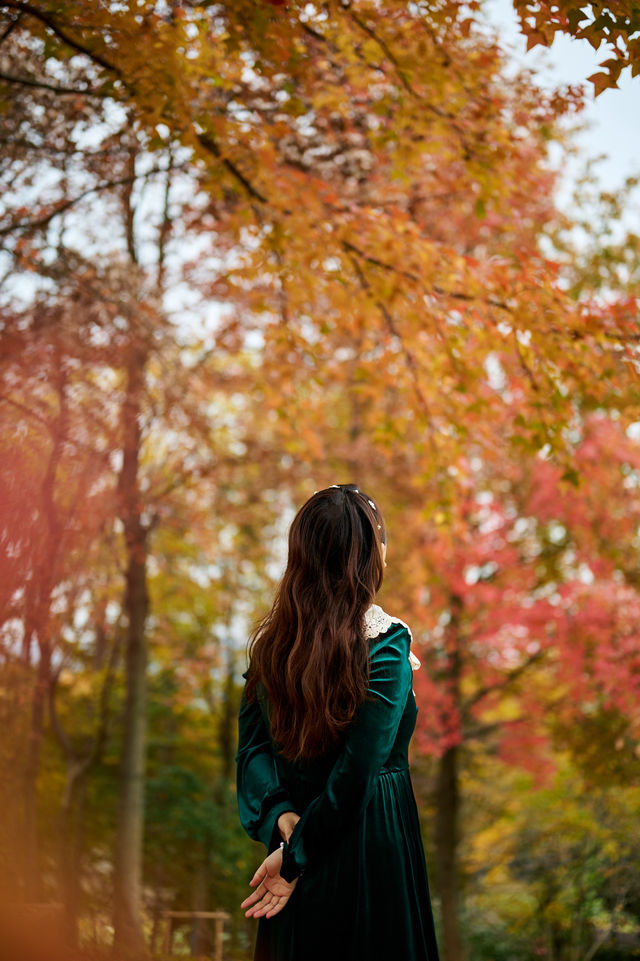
point(309, 655)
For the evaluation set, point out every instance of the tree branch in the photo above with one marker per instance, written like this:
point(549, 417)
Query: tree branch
point(49, 21)
point(82, 763)
point(26, 410)
point(409, 357)
point(12, 26)
point(52, 149)
point(508, 678)
point(453, 294)
point(56, 725)
point(165, 226)
point(103, 709)
point(67, 204)
point(43, 85)
point(385, 49)
point(209, 144)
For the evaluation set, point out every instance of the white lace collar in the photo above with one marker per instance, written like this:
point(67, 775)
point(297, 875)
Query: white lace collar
point(377, 621)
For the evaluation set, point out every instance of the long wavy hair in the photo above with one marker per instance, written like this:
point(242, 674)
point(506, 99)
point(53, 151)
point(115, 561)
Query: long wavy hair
point(309, 655)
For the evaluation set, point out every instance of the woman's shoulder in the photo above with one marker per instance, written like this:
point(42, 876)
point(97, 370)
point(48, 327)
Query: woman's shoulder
point(377, 624)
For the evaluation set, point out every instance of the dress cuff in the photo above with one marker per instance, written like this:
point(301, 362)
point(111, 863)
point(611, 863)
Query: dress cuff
point(294, 859)
point(271, 834)
point(290, 869)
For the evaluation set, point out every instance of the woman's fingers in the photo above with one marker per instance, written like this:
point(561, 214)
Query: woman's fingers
point(260, 875)
point(255, 900)
point(268, 906)
point(253, 897)
point(277, 907)
point(271, 894)
point(261, 907)
point(265, 903)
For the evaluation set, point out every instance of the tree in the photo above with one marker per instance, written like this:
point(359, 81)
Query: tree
point(554, 874)
point(369, 201)
point(272, 146)
point(614, 24)
point(55, 484)
point(532, 629)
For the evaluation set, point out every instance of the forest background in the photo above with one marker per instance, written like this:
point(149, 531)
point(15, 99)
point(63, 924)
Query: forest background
point(250, 249)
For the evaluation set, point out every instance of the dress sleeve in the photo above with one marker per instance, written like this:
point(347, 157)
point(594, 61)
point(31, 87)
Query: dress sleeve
point(261, 797)
point(356, 772)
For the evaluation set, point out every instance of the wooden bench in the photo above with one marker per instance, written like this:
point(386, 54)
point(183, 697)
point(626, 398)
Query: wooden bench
point(218, 918)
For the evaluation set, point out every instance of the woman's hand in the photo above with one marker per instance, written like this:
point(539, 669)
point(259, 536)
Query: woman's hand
point(272, 892)
point(286, 824)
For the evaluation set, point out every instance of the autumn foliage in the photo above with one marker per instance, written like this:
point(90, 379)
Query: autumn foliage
point(250, 250)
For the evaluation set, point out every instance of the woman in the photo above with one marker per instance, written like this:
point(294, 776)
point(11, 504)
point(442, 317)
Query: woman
point(323, 775)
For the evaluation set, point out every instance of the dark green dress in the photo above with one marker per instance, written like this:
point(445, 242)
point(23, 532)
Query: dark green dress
point(362, 892)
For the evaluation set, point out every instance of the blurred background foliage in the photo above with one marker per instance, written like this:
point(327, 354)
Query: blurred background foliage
point(249, 250)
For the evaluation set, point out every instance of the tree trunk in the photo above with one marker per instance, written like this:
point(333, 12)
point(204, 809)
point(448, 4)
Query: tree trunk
point(71, 830)
point(447, 798)
point(129, 939)
point(31, 872)
point(447, 809)
point(228, 719)
point(37, 624)
point(72, 805)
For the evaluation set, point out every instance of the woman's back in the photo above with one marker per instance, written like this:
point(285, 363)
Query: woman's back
point(323, 770)
point(304, 778)
point(363, 890)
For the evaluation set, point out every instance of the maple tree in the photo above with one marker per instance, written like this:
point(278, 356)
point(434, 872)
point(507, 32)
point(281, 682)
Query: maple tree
point(616, 25)
point(64, 563)
point(527, 604)
point(366, 197)
point(512, 578)
point(287, 188)
point(114, 347)
point(50, 481)
point(102, 342)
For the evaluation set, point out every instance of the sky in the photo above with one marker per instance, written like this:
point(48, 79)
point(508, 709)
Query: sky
point(613, 118)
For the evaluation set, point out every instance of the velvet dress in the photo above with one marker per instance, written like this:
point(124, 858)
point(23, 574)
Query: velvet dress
point(362, 893)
